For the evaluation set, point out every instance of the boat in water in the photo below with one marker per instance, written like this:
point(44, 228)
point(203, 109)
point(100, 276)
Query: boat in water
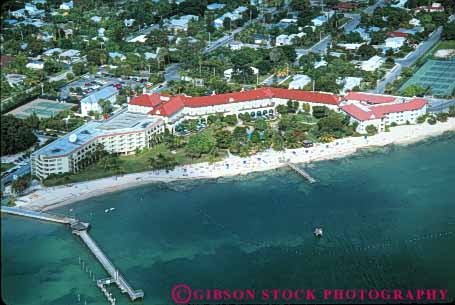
point(318, 232)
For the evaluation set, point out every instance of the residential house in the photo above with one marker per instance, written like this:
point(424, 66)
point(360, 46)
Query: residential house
point(117, 55)
point(228, 73)
point(235, 45)
point(70, 56)
point(19, 13)
point(66, 5)
point(372, 64)
point(35, 65)
point(349, 83)
point(91, 102)
point(128, 22)
point(435, 7)
point(96, 19)
point(15, 80)
point(52, 52)
point(215, 6)
point(140, 38)
point(181, 24)
point(299, 81)
point(394, 43)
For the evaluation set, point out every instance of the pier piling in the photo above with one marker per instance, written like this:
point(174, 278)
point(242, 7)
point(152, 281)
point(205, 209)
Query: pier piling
point(81, 229)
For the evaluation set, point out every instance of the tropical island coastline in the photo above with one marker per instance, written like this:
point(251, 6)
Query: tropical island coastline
point(45, 198)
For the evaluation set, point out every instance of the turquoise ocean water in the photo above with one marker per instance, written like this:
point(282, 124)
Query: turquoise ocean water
point(388, 216)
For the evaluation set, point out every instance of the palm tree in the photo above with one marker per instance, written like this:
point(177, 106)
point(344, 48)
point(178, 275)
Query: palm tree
point(161, 161)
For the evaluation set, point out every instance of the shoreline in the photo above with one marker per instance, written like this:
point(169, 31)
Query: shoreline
point(46, 198)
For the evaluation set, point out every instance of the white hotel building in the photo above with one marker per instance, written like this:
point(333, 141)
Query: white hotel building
point(382, 110)
point(123, 133)
point(259, 102)
point(151, 114)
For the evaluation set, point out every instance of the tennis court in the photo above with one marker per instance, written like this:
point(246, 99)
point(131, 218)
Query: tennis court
point(439, 75)
point(41, 107)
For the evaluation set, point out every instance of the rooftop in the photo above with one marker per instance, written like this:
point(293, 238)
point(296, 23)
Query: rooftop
point(364, 112)
point(103, 93)
point(122, 122)
point(171, 104)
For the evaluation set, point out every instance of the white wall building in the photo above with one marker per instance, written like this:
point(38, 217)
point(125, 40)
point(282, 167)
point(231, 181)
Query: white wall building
point(299, 81)
point(123, 134)
point(372, 64)
point(91, 102)
point(394, 42)
point(259, 102)
point(382, 110)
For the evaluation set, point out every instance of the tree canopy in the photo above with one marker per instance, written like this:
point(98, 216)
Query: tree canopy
point(16, 135)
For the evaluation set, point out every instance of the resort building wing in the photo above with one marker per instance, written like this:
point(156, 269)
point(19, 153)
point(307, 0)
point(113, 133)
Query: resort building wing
point(149, 114)
point(382, 110)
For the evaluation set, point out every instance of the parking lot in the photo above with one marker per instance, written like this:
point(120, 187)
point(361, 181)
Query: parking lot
point(91, 83)
point(43, 108)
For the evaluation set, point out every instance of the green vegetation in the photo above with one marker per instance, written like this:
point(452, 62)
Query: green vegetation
point(371, 130)
point(213, 140)
point(20, 185)
point(5, 166)
point(15, 134)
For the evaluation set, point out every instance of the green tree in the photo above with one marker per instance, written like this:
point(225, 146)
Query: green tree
point(200, 143)
point(366, 51)
point(371, 130)
point(320, 111)
point(15, 135)
point(227, 23)
point(163, 161)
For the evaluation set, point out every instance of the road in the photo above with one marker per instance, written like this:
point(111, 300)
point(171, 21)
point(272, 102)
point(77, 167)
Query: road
point(144, 31)
point(410, 59)
point(172, 72)
point(21, 171)
point(321, 46)
point(440, 105)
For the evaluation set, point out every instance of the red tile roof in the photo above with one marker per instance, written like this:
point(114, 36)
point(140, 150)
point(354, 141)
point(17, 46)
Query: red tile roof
point(226, 98)
point(308, 96)
point(176, 103)
point(376, 112)
point(370, 98)
point(5, 60)
point(147, 100)
point(169, 108)
point(358, 113)
point(397, 34)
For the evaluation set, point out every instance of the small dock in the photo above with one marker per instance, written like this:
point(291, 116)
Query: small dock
point(301, 172)
point(109, 266)
point(80, 229)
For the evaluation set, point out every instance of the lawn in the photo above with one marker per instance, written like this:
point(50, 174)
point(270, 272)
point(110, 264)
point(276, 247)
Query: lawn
point(128, 164)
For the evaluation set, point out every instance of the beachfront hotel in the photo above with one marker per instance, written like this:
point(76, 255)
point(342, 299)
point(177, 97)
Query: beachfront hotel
point(123, 133)
point(149, 114)
point(257, 103)
point(382, 110)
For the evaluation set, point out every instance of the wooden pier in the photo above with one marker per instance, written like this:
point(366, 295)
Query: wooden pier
point(109, 266)
point(301, 172)
point(80, 229)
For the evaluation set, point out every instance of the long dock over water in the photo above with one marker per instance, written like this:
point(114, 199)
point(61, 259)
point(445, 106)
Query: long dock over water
point(80, 229)
point(301, 172)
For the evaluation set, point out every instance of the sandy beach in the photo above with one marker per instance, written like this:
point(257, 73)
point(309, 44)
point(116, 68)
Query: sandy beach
point(45, 198)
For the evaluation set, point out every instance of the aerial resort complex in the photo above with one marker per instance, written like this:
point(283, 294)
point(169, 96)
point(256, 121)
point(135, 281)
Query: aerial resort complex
point(227, 152)
point(146, 115)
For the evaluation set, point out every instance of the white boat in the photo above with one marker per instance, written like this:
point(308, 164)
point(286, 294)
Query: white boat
point(106, 210)
point(111, 209)
point(318, 232)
